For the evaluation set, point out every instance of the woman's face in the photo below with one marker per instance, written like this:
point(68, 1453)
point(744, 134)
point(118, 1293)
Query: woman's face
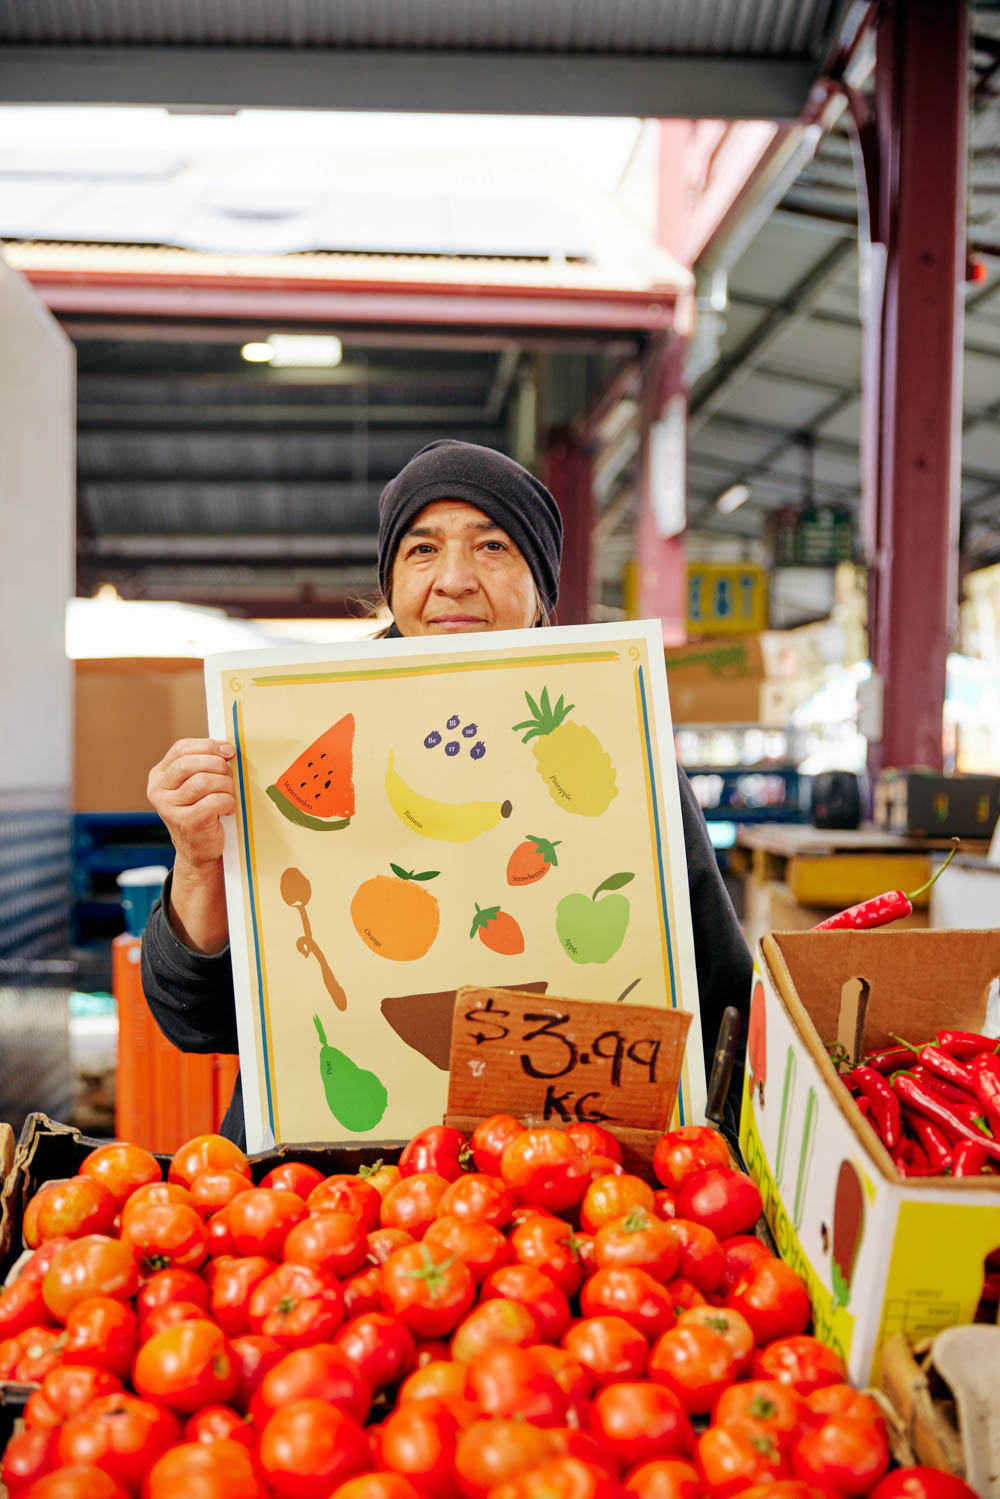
point(456, 572)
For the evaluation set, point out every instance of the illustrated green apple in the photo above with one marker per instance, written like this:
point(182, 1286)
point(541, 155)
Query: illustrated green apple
point(592, 930)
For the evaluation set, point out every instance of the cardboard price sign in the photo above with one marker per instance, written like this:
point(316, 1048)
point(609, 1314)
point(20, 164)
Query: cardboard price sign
point(561, 1061)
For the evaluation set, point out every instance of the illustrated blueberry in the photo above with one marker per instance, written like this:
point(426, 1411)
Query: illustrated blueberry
point(453, 722)
point(470, 731)
point(478, 750)
point(433, 739)
point(452, 747)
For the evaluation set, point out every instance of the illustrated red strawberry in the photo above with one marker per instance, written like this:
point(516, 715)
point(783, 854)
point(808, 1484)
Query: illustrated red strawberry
point(497, 930)
point(531, 860)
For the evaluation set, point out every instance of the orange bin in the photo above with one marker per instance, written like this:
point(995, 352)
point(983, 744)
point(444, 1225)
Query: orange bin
point(162, 1096)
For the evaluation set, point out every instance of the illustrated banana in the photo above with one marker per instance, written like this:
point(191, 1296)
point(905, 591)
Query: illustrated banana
point(446, 822)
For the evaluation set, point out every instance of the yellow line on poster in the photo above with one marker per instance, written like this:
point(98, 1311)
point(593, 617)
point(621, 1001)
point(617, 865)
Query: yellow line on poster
point(301, 678)
point(263, 961)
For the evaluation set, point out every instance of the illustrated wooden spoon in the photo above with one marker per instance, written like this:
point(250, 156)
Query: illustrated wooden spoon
point(296, 892)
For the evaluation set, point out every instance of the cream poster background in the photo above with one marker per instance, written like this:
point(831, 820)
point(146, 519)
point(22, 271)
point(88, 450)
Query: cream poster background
point(344, 958)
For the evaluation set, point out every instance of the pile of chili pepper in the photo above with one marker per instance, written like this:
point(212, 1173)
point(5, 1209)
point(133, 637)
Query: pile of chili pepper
point(935, 1107)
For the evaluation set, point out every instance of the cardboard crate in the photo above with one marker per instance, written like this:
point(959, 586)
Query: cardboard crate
point(129, 711)
point(880, 1253)
point(724, 681)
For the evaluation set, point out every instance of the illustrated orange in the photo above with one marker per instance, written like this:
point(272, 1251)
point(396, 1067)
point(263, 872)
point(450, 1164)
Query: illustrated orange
point(395, 916)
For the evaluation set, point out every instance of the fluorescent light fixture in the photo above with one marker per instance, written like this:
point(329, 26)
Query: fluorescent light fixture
point(305, 350)
point(257, 353)
point(732, 498)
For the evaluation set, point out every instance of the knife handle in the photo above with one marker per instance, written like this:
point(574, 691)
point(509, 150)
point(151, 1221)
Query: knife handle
point(722, 1064)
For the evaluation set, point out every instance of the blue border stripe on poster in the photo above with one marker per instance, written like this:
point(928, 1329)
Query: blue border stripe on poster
point(253, 916)
point(659, 861)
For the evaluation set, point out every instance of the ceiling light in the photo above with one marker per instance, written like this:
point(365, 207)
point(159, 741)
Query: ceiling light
point(257, 353)
point(732, 498)
point(305, 350)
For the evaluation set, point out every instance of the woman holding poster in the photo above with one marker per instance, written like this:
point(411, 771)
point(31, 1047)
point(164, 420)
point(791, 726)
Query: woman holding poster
point(469, 542)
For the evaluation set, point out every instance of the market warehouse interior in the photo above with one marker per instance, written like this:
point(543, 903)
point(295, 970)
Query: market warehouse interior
point(725, 289)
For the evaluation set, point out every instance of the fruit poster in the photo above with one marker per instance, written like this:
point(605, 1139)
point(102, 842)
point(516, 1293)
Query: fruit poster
point(414, 816)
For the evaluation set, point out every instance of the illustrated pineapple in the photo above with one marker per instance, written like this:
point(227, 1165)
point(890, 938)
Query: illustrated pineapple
point(569, 757)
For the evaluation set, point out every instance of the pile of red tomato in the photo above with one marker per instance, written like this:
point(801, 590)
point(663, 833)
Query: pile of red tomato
point(508, 1317)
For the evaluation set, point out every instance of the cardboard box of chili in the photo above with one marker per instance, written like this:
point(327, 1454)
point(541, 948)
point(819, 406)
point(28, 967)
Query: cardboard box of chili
point(880, 1253)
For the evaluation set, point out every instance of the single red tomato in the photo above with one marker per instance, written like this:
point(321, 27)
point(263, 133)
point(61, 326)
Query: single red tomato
point(214, 1190)
point(560, 1478)
point(665, 1203)
point(684, 1152)
point(697, 1363)
point(700, 1257)
point(206, 1153)
point(121, 1168)
point(614, 1196)
point(22, 1305)
point(774, 1407)
point(164, 1234)
point(347, 1194)
point(217, 1236)
point(333, 1242)
point(120, 1434)
point(576, 1382)
point(609, 1348)
point(640, 1239)
point(732, 1458)
point(293, 1176)
point(103, 1332)
point(380, 1175)
point(431, 1293)
point(773, 1299)
point(440, 1379)
point(186, 1367)
point(260, 1220)
point(921, 1483)
point(605, 1165)
point(477, 1197)
point(158, 1194)
point(308, 1448)
point(69, 1209)
point(491, 1323)
point(684, 1294)
point(91, 1266)
point(164, 1286)
point(665, 1478)
point(490, 1452)
point(509, 1381)
point(220, 1423)
point(591, 1139)
point(380, 1346)
point(75, 1483)
point(363, 1292)
point(320, 1373)
point(223, 1469)
point(841, 1400)
point(418, 1440)
point(162, 1317)
point(377, 1486)
point(544, 1167)
point(800, 1361)
point(479, 1245)
point(728, 1324)
point(36, 1266)
point(739, 1251)
point(232, 1281)
point(722, 1199)
point(28, 1456)
point(382, 1241)
point(253, 1356)
point(439, 1149)
point(412, 1204)
point(539, 1293)
point(65, 1390)
point(640, 1421)
point(632, 1294)
point(29, 1355)
point(297, 1305)
point(491, 1138)
point(549, 1244)
point(843, 1454)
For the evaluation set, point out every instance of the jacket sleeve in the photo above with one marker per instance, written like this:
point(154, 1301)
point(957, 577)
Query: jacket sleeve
point(722, 958)
point(190, 994)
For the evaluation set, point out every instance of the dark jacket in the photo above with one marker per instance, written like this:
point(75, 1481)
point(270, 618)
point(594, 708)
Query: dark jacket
point(191, 995)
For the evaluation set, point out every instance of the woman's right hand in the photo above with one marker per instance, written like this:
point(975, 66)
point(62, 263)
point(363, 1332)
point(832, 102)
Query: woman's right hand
point(191, 788)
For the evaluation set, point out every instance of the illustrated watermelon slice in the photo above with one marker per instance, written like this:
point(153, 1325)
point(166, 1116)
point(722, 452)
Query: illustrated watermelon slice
point(317, 789)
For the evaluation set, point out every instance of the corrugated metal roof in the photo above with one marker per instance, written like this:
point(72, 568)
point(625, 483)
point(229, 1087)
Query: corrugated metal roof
point(734, 28)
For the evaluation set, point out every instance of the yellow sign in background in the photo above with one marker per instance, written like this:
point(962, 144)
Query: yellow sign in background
point(726, 598)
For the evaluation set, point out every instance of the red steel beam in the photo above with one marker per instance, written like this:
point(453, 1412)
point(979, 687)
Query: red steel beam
point(660, 559)
point(568, 474)
point(913, 370)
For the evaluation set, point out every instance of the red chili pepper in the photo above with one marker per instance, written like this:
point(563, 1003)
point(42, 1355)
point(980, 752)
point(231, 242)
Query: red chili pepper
point(947, 1091)
point(910, 1159)
point(946, 1067)
point(884, 1103)
point(918, 1096)
point(965, 1044)
point(969, 1158)
point(893, 1060)
point(991, 1288)
point(863, 1106)
point(985, 1074)
point(892, 905)
point(932, 1138)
